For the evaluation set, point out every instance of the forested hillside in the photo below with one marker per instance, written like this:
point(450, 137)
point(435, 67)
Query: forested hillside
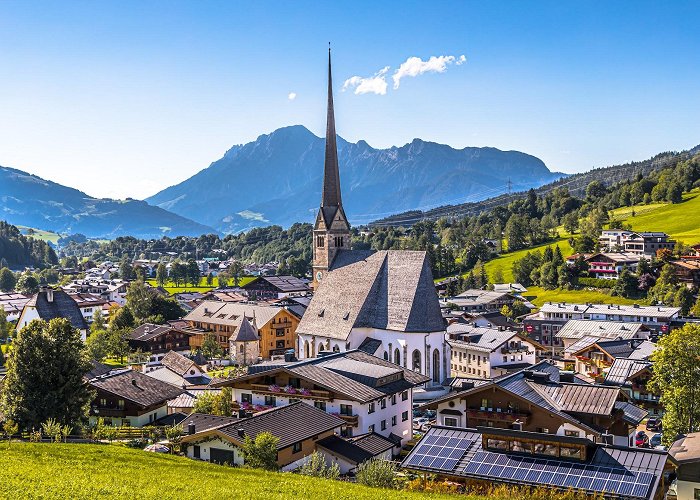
point(19, 251)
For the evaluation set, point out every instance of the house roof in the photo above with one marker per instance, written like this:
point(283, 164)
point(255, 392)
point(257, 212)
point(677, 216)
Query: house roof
point(188, 399)
point(232, 313)
point(370, 345)
point(637, 311)
point(476, 297)
point(388, 290)
point(632, 473)
point(178, 363)
point(136, 387)
point(633, 349)
point(344, 448)
point(582, 398)
point(149, 331)
point(576, 329)
point(686, 449)
point(482, 339)
point(291, 424)
point(355, 374)
point(633, 413)
point(62, 306)
point(374, 443)
point(245, 332)
point(204, 422)
point(623, 369)
point(285, 284)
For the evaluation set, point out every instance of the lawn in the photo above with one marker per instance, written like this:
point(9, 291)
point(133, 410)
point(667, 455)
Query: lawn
point(681, 221)
point(82, 471)
point(40, 235)
point(539, 296)
point(201, 287)
point(504, 262)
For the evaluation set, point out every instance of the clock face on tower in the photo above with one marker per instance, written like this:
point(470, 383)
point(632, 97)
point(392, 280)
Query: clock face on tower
point(319, 275)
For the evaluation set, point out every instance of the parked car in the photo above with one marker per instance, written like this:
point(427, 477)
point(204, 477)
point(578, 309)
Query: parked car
point(641, 440)
point(654, 424)
point(419, 422)
point(655, 441)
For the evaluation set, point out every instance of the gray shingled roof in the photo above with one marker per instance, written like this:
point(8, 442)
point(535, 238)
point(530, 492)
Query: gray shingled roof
point(177, 363)
point(633, 413)
point(627, 348)
point(245, 332)
point(62, 306)
point(389, 290)
point(282, 283)
point(373, 443)
point(346, 449)
point(136, 387)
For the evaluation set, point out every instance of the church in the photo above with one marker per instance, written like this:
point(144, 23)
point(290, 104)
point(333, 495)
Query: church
point(383, 302)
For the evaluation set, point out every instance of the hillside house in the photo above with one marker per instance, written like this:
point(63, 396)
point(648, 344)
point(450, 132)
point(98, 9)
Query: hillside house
point(481, 301)
point(13, 303)
point(275, 287)
point(608, 266)
point(50, 304)
point(596, 359)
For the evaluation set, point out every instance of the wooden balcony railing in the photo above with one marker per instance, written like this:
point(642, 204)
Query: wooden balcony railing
point(350, 419)
point(299, 393)
point(495, 415)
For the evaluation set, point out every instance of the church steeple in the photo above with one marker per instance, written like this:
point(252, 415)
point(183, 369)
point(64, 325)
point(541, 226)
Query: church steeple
point(332, 230)
point(331, 178)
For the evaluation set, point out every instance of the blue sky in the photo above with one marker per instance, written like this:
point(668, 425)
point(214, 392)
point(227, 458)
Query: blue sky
point(125, 98)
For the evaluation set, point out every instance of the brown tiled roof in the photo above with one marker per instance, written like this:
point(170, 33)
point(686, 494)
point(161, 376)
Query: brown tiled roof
point(177, 363)
point(137, 387)
point(391, 290)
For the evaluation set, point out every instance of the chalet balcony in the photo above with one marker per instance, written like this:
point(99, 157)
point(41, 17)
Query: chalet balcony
point(99, 411)
point(498, 415)
point(514, 349)
point(302, 393)
point(349, 419)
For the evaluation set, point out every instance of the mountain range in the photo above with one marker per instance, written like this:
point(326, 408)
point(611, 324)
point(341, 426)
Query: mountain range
point(28, 200)
point(276, 179)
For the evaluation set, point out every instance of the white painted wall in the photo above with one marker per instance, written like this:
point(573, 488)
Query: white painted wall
point(215, 442)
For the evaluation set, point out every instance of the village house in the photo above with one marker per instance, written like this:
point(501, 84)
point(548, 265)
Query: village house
point(488, 352)
point(13, 303)
point(684, 454)
point(368, 393)
point(275, 287)
point(480, 301)
point(644, 244)
point(386, 298)
point(541, 399)
point(276, 327)
point(129, 398)
point(109, 290)
point(298, 426)
point(50, 304)
point(596, 359)
point(608, 266)
point(687, 271)
point(89, 305)
point(544, 325)
point(632, 377)
point(579, 334)
point(560, 463)
point(178, 370)
point(349, 453)
point(185, 402)
point(160, 339)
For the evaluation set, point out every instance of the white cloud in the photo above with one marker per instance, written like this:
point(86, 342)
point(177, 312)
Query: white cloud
point(414, 66)
point(375, 84)
point(292, 96)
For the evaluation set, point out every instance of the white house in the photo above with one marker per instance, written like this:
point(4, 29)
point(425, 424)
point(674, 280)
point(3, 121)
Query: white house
point(50, 304)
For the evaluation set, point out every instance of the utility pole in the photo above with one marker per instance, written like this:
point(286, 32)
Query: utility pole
point(510, 186)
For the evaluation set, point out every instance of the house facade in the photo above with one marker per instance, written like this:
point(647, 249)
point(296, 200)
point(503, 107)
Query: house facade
point(608, 266)
point(50, 304)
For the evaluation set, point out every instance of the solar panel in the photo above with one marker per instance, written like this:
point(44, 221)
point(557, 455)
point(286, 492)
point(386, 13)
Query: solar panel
point(439, 452)
point(561, 474)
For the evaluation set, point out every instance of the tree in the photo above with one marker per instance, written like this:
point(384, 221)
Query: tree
point(5, 326)
point(676, 377)
point(507, 312)
point(45, 376)
point(215, 404)
point(626, 284)
point(516, 232)
point(122, 318)
point(118, 343)
point(210, 279)
point(235, 270)
point(261, 452)
point(139, 300)
point(695, 310)
point(316, 466)
point(211, 348)
point(570, 222)
point(98, 321)
point(222, 279)
point(7, 280)
point(595, 191)
point(10, 428)
point(97, 345)
point(161, 274)
point(497, 275)
point(192, 273)
point(27, 284)
point(377, 473)
point(174, 435)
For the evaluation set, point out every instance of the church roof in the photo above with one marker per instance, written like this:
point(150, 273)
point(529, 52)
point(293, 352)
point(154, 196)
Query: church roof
point(331, 178)
point(389, 290)
point(245, 332)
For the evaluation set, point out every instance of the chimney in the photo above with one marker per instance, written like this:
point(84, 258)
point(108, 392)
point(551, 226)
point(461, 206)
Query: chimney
point(241, 433)
point(517, 425)
point(190, 428)
point(133, 382)
point(607, 439)
point(241, 413)
point(528, 374)
point(49, 294)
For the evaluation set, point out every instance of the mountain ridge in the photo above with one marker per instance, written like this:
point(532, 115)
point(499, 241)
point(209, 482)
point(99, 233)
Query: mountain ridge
point(288, 164)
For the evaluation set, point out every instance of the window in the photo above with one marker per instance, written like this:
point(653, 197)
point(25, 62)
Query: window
point(370, 408)
point(570, 452)
point(404, 416)
point(572, 433)
point(346, 410)
point(321, 405)
point(120, 404)
point(294, 400)
point(393, 399)
point(370, 428)
point(382, 403)
point(416, 360)
point(393, 420)
point(383, 425)
point(496, 444)
point(246, 397)
point(450, 421)
point(696, 493)
point(270, 401)
point(196, 451)
point(296, 447)
point(319, 241)
point(103, 402)
point(404, 395)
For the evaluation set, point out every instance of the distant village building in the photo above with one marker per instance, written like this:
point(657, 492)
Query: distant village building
point(645, 244)
point(50, 304)
point(160, 339)
point(109, 290)
point(13, 303)
point(275, 287)
point(687, 271)
point(385, 298)
point(608, 266)
point(480, 301)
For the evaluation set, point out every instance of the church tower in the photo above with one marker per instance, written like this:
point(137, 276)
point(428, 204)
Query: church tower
point(331, 230)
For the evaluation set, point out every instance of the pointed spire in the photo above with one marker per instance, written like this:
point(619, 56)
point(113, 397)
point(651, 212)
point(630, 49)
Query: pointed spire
point(331, 178)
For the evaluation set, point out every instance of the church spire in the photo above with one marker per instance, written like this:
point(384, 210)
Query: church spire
point(331, 178)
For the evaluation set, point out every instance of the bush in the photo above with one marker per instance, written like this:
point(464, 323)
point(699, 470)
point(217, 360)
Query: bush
point(316, 467)
point(596, 282)
point(377, 473)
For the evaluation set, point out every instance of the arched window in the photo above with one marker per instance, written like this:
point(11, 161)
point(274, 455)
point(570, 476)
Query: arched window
point(397, 356)
point(336, 348)
point(321, 348)
point(386, 356)
point(241, 349)
point(416, 361)
point(436, 366)
point(306, 349)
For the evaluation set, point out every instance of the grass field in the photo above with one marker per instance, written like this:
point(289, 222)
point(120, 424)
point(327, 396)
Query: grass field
point(681, 221)
point(40, 235)
point(539, 296)
point(505, 261)
point(82, 471)
point(202, 287)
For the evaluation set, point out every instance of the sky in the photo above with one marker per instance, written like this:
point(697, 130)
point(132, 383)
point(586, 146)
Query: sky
point(124, 98)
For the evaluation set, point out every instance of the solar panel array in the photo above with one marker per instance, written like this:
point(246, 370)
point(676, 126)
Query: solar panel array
point(613, 480)
point(439, 452)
